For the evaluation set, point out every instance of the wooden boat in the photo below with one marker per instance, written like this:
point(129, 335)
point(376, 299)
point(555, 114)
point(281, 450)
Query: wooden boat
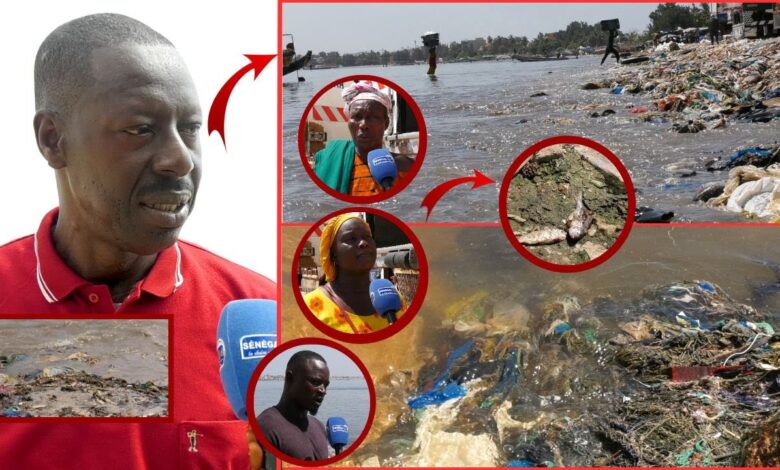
point(533, 58)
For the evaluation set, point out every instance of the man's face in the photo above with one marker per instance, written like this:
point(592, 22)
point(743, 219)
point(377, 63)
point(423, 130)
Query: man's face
point(309, 385)
point(367, 123)
point(132, 151)
point(354, 249)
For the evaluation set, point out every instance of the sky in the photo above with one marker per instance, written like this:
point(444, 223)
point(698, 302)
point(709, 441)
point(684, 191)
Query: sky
point(326, 27)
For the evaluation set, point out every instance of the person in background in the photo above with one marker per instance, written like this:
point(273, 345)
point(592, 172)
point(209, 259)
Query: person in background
point(613, 33)
point(432, 60)
point(714, 30)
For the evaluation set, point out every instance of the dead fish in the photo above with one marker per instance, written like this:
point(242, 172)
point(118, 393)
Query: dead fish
point(577, 222)
point(546, 236)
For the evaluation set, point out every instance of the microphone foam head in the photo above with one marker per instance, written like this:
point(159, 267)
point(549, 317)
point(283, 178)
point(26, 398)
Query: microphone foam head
point(338, 431)
point(384, 296)
point(382, 166)
point(245, 334)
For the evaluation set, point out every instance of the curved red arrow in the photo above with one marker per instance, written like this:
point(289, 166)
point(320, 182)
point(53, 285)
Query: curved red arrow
point(436, 193)
point(216, 120)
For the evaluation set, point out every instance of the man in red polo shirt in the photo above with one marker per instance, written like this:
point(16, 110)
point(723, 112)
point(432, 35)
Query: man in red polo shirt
point(117, 118)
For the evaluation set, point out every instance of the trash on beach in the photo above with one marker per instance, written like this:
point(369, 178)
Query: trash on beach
point(64, 391)
point(751, 190)
point(700, 82)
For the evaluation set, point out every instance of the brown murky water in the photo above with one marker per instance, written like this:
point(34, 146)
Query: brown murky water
point(467, 263)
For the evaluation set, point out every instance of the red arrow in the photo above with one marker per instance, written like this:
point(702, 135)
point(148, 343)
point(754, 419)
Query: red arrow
point(436, 193)
point(218, 107)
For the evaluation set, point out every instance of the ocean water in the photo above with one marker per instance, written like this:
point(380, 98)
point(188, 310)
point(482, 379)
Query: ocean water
point(348, 399)
point(481, 115)
point(134, 350)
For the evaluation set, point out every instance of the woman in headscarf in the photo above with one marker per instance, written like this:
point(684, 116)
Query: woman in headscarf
point(343, 165)
point(347, 254)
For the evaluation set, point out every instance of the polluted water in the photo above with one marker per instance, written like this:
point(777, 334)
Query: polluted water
point(484, 114)
point(84, 368)
point(514, 365)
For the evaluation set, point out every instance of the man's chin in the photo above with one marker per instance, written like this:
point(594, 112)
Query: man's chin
point(154, 242)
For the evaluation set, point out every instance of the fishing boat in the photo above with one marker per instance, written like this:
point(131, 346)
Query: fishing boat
point(534, 58)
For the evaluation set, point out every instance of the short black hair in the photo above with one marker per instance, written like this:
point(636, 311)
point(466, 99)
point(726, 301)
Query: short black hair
point(63, 63)
point(298, 359)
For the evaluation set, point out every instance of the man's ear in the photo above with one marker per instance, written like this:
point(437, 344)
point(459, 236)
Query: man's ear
point(50, 138)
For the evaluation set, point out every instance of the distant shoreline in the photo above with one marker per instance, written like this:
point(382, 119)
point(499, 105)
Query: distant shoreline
point(332, 378)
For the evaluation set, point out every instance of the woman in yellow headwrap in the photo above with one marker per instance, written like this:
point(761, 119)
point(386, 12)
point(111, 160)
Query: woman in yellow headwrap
point(347, 254)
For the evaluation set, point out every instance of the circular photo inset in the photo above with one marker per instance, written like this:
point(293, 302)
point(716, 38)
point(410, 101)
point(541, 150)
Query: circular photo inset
point(359, 275)
point(362, 139)
point(312, 402)
point(567, 204)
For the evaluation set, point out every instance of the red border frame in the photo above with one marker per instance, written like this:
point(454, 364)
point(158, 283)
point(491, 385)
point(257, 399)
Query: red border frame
point(107, 419)
point(421, 149)
point(255, 378)
point(414, 305)
point(510, 175)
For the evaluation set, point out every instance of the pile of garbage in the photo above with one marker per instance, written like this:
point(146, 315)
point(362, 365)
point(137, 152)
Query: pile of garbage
point(753, 185)
point(694, 381)
point(705, 387)
point(700, 86)
point(65, 391)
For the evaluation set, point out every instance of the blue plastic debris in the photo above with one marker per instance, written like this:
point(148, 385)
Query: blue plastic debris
point(706, 286)
point(441, 391)
point(14, 413)
point(438, 396)
point(561, 328)
point(520, 463)
point(509, 375)
point(752, 151)
point(617, 90)
point(690, 322)
point(773, 94)
point(710, 96)
point(760, 327)
point(441, 380)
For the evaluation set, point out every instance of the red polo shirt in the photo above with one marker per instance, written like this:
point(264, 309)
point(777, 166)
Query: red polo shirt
point(186, 282)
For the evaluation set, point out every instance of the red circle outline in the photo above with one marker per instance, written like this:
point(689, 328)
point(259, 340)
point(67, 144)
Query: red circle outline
point(414, 306)
point(421, 148)
point(255, 378)
point(512, 171)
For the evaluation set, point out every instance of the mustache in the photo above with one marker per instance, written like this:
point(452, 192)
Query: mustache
point(169, 185)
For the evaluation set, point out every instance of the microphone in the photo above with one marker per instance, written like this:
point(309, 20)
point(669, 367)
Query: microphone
point(338, 433)
point(245, 334)
point(382, 166)
point(385, 298)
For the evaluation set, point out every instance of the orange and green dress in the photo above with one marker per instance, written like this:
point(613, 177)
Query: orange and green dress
point(340, 167)
point(336, 314)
